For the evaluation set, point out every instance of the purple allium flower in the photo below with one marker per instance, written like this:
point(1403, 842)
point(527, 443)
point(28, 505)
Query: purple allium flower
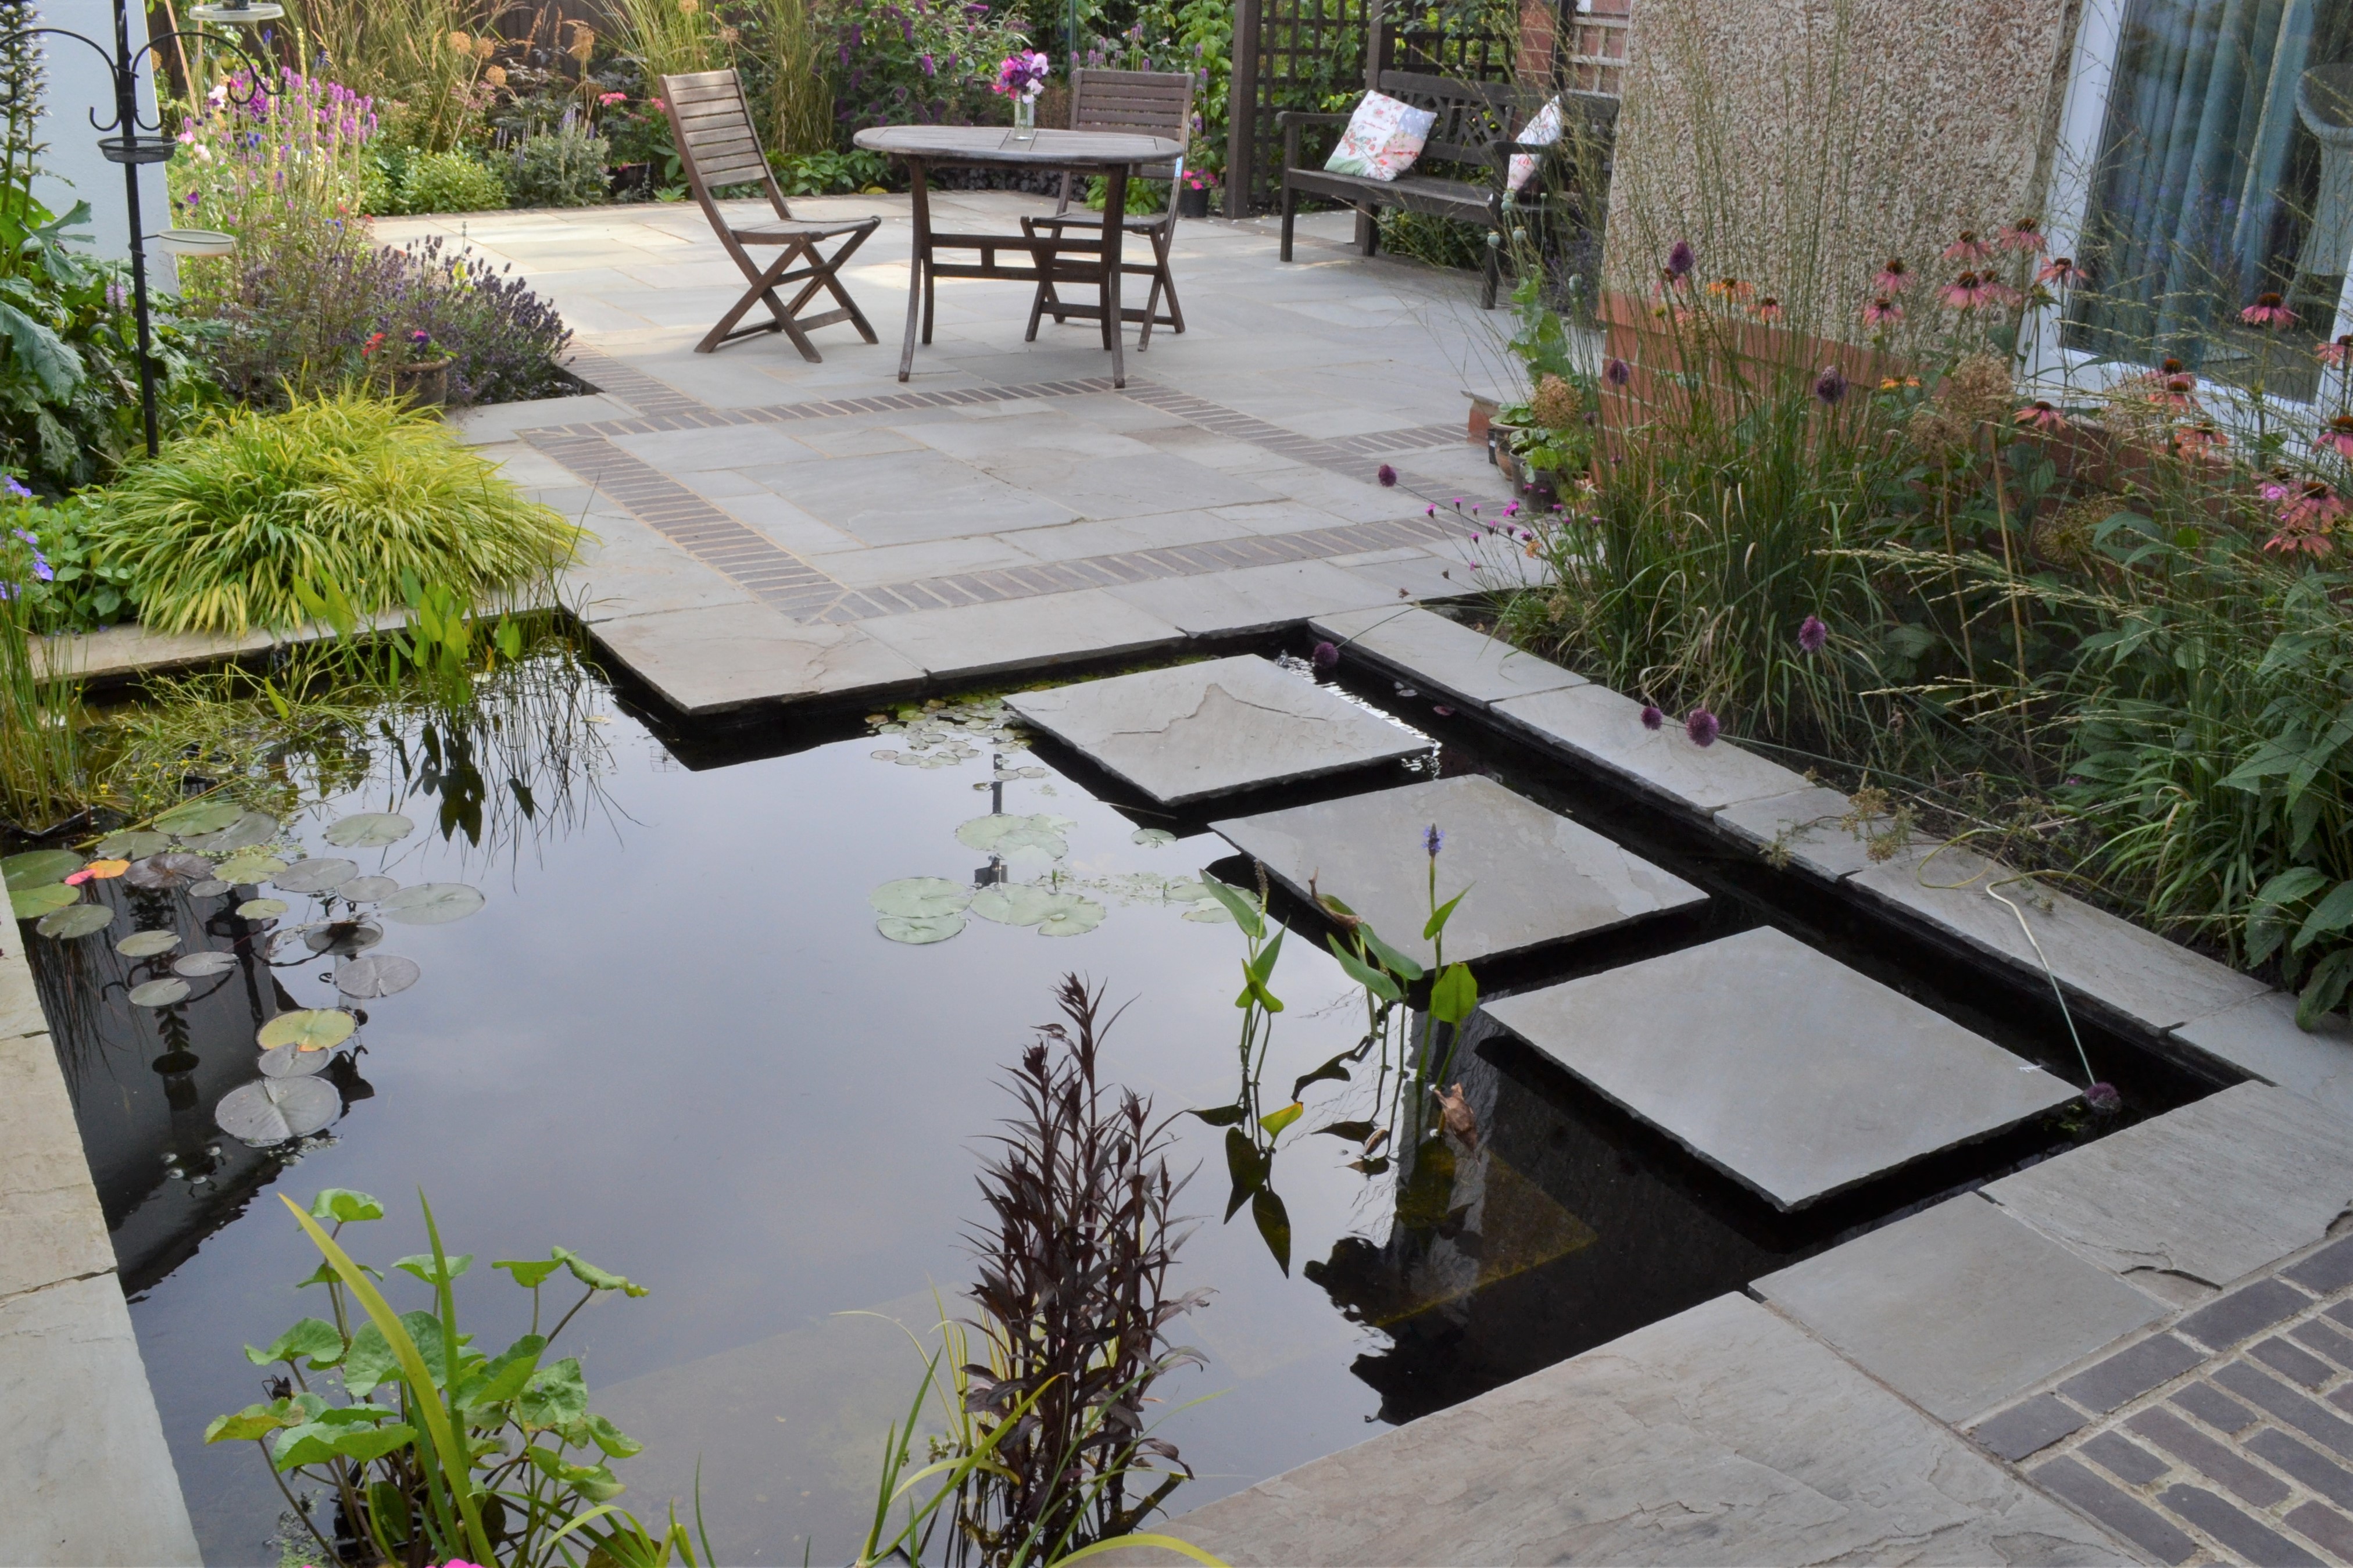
point(1653, 718)
point(1388, 477)
point(1702, 727)
point(1325, 658)
point(2104, 1099)
point(1432, 840)
point(1812, 634)
point(1618, 373)
point(1680, 260)
point(1831, 385)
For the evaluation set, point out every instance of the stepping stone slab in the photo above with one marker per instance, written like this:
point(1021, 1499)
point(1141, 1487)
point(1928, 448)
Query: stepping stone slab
point(1212, 729)
point(1723, 1435)
point(1959, 1307)
point(1445, 658)
point(2259, 1038)
point(1781, 1067)
point(1809, 827)
point(1535, 877)
point(1607, 729)
point(2209, 1192)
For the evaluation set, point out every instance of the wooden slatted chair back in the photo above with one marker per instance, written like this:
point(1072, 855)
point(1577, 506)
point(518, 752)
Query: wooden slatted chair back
point(716, 145)
point(1143, 103)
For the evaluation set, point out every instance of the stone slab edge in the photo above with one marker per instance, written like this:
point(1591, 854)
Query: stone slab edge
point(94, 1483)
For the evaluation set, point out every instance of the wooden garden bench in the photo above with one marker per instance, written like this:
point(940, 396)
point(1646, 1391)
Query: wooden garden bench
point(1472, 134)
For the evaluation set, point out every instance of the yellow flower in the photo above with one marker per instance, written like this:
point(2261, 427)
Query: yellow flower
point(461, 43)
point(496, 76)
point(690, 6)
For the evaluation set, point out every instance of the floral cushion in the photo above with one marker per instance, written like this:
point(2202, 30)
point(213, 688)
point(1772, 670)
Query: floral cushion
point(1382, 139)
point(1541, 131)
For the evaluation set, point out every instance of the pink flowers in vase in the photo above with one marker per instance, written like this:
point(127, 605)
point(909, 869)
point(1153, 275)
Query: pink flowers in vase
point(1022, 75)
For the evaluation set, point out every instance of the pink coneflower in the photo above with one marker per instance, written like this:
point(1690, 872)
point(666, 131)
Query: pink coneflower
point(2338, 437)
point(2179, 392)
point(1812, 634)
point(2060, 269)
point(2200, 443)
point(1703, 727)
point(1894, 278)
point(2269, 311)
point(1992, 290)
point(2040, 415)
point(2025, 234)
point(1961, 293)
point(1883, 311)
point(1967, 247)
point(1769, 310)
point(1732, 288)
point(2310, 505)
point(2333, 354)
point(1680, 260)
point(1831, 385)
point(1386, 476)
point(1653, 718)
point(1618, 373)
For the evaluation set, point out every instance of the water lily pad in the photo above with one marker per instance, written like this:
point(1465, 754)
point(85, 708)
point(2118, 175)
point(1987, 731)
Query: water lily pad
point(250, 828)
point(159, 993)
point(367, 890)
point(318, 876)
point(106, 871)
point(248, 865)
point(173, 869)
point(293, 1061)
point(1072, 916)
point(378, 974)
point(370, 830)
point(1152, 838)
point(918, 929)
point(210, 887)
point(31, 903)
point(262, 909)
point(310, 1028)
point(75, 919)
point(147, 944)
point(38, 868)
point(1000, 834)
point(919, 898)
point(136, 845)
point(341, 938)
point(1015, 904)
point(430, 903)
point(201, 964)
point(198, 817)
point(275, 1110)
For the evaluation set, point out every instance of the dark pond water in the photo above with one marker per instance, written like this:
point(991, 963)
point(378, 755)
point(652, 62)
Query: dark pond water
point(673, 1041)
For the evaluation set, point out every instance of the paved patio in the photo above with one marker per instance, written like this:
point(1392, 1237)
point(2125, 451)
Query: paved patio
point(770, 529)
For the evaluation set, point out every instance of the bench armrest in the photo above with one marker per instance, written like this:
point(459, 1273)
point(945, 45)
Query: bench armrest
point(1290, 121)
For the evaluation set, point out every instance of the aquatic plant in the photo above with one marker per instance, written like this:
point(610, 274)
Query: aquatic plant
point(41, 762)
point(532, 1488)
point(218, 531)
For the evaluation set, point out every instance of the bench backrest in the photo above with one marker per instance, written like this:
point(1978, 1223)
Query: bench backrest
point(1474, 115)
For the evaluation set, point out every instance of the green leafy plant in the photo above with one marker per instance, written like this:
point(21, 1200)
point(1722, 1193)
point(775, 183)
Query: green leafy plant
point(828, 173)
point(82, 592)
point(438, 1451)
point(560, 168)
point(407, 180)
point(347, 490)
point(41, 752)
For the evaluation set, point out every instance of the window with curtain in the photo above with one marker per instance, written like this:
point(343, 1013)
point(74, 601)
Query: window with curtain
point(2225, 174)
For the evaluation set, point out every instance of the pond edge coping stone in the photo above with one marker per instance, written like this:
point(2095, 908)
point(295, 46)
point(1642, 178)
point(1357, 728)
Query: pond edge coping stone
point(84, 1456)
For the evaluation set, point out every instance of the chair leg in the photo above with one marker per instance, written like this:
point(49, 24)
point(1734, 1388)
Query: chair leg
point(927, 307)
point(1168, 280)
point(1290, 211)
point(1151, 309)
point(763, 288)
point(833, 279)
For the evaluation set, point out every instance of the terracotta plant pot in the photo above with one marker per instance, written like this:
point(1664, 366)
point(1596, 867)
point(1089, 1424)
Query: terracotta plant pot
point(425, 384)
point(1192, 201)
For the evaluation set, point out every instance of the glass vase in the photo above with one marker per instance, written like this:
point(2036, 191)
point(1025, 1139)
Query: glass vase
point(1025, 114)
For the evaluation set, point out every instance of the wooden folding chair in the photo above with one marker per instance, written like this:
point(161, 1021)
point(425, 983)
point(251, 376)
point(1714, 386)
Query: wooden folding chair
point(1150, 103)
point(717, 147)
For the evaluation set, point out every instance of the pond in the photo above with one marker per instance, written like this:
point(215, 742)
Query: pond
point(673, 1040)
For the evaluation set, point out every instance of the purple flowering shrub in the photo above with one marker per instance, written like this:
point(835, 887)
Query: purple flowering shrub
point(51, 568)
point(899, 62)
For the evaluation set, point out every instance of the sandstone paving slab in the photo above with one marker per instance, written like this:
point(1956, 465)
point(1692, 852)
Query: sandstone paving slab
point(1959, 1307)
point(2203, 1195)
point(1199, 730)
point(1249, 598)
point(1607, 729)
point(89, 1475)
point(976, 640)
point(1442, 656)
point(1810, 826)
point(2139, 974)
point(724, 656)
point(1779, 1065)
point(1723, 1435)
point(2259, 1036)
point(51, 1227)
point(1535, 876)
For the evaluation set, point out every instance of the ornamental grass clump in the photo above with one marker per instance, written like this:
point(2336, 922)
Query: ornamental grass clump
point(220, 533)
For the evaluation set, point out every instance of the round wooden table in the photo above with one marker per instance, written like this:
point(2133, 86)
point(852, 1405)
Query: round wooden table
point(1059, 258)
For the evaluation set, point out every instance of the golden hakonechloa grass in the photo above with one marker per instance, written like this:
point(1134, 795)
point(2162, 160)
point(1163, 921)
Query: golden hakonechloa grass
point(347, 490)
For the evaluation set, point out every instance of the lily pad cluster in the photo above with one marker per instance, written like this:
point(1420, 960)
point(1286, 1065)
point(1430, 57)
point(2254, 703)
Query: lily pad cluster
point(942, 735)
point(918, 910)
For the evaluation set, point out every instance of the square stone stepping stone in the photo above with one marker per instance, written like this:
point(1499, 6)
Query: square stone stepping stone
point(1958, 1308)
point(2205, 1195)
point(1779, 1065)
point(1535, 877)
point(1607, 729)
point(1444, 657)
point(1212, 729)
